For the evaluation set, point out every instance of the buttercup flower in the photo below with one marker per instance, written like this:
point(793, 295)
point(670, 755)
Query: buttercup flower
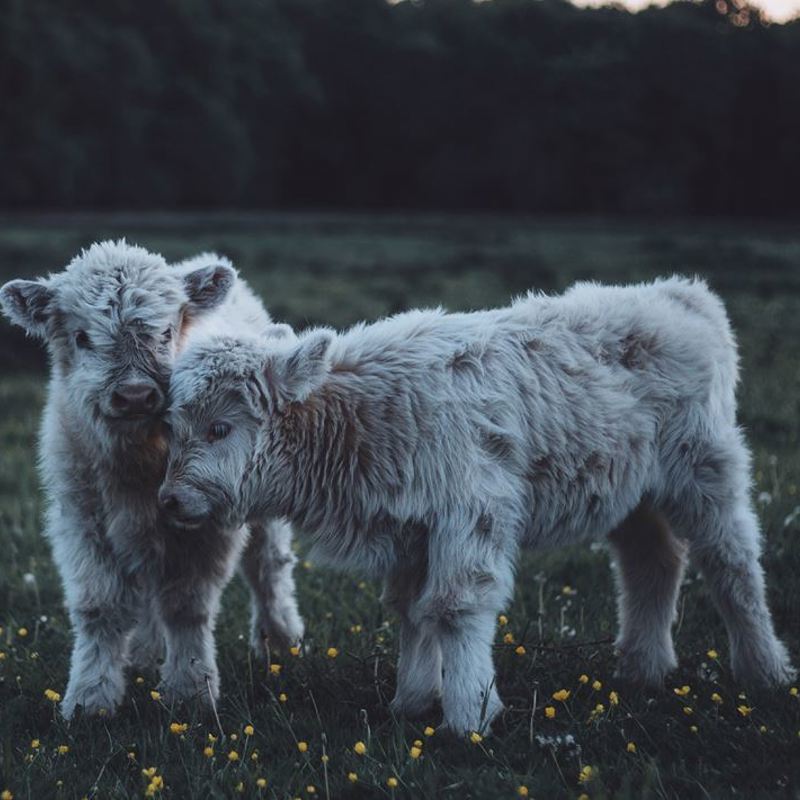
point(429, 731)
point(550, 712)
point(208, 751)
point(631, 747)
point(352, 777)
point(715, 698)
point(332, 652)
point(613, 698)
point(583, 679)
point(682, 691)
point(62, 749)
point(597, 686)
point(22, 633)
point(520, 651)
point(508, 638)
point(391, 783)
point(561, 695)
point(249, 730)
point(475, 737)
point(275, 669)
point(282, 697)
point(302, 747)
point(294, 650)
point(359, 748)
point(502, 620)
point(155, 695)
point(745, 711)
point(178, 728)
point(586, 774)
point(52, 696)
point(522, 791)
point(712, 654)
point(415, 752)
point(233, 756)
point(261, 783)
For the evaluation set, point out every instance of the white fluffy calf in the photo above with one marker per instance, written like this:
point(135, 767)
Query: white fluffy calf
point(429, 447)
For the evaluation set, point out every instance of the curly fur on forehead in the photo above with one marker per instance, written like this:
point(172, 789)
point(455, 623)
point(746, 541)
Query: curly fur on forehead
point(217, 363)
point(118, 283)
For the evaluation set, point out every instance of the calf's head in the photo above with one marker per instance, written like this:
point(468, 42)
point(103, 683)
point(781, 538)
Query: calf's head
point(234, 441)
point(112, 321)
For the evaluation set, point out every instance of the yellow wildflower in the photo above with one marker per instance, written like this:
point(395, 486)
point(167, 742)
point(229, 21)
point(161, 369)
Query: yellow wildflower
point(520, 651)
point(597, 686)
point(311, 789)
point(583, 679)
point(249, 730)
point(550, 712)
point(745, 711)
point(254, 756)
point(682, 691)
point(475, 737)
point(6, 795)
point(52, 696)
point(429, 731)
point(715, 698)
point(178, 728)
point(712, 654)
point(261, 783)
point(22, 632)
point(148, 772)
point(522, 791)
point(502, 620)
point(35, 744)
point(302, 747)
point(282, 697)
point(352, 777)
point(613, 698)
point(208, 751)
point(586, 774)
point(332, 652)
point(155, 695)
point(688, 710)
point(233, 756)
point(359, 748)
point(417, 742)
point(693, 728)
point(355, 629)
point(561, 694)
point(762, 729)
point(240, 787)
point(415, 752)
point(793, 691)
point(62, 749)
point(275, 669)
point(391, 782)
point(2, 656)
point(139, 680)
point(295, 650)
point(508, 638)
point(631, 747)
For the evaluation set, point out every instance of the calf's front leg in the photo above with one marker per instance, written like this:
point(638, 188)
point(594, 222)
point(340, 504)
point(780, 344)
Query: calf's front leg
point(197, 566)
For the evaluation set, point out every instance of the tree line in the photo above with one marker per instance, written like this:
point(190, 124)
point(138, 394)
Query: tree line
point(509, 105)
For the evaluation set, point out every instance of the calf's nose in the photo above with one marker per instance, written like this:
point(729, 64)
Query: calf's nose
point(136, 398)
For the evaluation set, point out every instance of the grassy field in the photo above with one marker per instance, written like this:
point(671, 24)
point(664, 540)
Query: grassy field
point(605, 740)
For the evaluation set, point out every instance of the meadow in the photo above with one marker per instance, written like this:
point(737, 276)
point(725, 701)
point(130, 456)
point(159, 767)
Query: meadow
point(317, 724)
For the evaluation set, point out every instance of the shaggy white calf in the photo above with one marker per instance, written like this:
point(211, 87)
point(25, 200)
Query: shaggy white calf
point(113, 321)
point(429, 447)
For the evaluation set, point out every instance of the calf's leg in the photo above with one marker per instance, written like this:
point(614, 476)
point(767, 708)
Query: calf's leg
point(649, 562)
point(267, 566)
point(714, 512)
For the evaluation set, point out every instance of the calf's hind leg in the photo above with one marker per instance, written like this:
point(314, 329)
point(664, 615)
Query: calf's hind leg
point(717, 517)
point(649, 562)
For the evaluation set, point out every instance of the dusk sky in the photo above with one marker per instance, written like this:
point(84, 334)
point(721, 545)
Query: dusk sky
point(778, 10)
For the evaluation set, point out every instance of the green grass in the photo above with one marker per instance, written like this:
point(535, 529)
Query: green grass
point(338, 269)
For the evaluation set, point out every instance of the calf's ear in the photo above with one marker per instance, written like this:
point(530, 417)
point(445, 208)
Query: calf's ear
point(208, 286)
point(303, 368)
point(28, 304)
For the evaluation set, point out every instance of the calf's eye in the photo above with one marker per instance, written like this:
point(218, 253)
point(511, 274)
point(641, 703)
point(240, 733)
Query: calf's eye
point(82, 340)
point(217, 431)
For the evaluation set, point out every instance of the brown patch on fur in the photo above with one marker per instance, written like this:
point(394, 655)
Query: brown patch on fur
point(636, 350)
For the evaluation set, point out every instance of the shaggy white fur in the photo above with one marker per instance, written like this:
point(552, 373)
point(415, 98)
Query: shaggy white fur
point(136, 588)
point(429, 447)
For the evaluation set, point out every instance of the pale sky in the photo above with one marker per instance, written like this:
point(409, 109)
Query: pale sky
point(777, 10)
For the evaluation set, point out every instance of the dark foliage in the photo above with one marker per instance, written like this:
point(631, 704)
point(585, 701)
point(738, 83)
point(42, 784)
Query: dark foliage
point(523, 105)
